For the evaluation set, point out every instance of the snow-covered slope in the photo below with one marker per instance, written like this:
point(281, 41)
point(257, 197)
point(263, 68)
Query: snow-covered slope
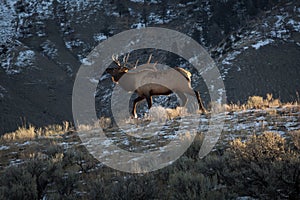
point(279, 24)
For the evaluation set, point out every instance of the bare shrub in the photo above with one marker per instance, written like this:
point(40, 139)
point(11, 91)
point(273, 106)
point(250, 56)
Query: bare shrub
point(96, 189)
point(39, 171)
point(266, 147)
point(187, 185)
point(105, 122)
point(85, 161)
point(270, 102)
point(17, 183)
point(263, 167)
point(134, 187)
point(255, 102)
point(65, 183)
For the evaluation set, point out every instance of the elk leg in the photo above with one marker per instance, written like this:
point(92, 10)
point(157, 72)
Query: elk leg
point(201, 107)
point(138, 99)
point(183, 98)
point(149, 101)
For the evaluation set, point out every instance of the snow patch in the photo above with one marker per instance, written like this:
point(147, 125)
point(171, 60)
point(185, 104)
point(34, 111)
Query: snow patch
point(73, 43)
point(49, 49)
point(245, 198)
point(295, 25)
point(26, 143)
point(154, 1)
point(100, 37)
point(262, 43)
point(280, 21)
point(3, 147)
point(15, 162)
point(157, 19)
point(79, 5)
point(138, 25)
point(86, 61)
point(230, 57)
point(137, 1)
point(25, 59)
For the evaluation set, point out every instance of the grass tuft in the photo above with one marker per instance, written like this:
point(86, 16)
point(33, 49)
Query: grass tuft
point(30, 132)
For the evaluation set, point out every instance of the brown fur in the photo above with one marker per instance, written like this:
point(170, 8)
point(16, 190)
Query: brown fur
point(148, 82)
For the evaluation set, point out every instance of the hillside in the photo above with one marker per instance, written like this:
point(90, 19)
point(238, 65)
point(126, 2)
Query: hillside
point(255, 45)
point(44, 43)
point(256, 157)
point(245, 149)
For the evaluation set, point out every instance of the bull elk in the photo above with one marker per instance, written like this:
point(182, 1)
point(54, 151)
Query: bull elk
point(148, 81)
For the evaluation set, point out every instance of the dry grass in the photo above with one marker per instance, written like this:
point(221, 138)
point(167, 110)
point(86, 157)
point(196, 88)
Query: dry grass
point(258, 102)
point(254, 102)
point(56, 129)
point(161, 114)
point(24, 133)
point(30, 132)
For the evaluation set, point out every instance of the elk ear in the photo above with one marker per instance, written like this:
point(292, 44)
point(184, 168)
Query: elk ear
point(113, 79)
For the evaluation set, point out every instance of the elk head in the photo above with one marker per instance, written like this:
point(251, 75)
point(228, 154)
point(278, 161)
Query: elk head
point(118, 72)
point(124, 67)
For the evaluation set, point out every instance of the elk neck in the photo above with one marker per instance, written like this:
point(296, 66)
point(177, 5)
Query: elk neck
point(128, 81)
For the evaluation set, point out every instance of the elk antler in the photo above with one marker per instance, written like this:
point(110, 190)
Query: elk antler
point(136, 63)
point(125, 59)
point(115, 58)
point(149, 59)
point(125, 63)
point(154, 65)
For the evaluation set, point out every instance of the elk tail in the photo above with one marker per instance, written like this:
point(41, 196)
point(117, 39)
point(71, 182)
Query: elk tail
point(184, 72)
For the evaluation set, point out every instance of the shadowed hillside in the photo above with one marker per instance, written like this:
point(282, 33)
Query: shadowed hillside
point(255, 44)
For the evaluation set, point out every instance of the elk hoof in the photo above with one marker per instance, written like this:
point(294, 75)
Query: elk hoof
point(204, 112)
point(134, 116)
